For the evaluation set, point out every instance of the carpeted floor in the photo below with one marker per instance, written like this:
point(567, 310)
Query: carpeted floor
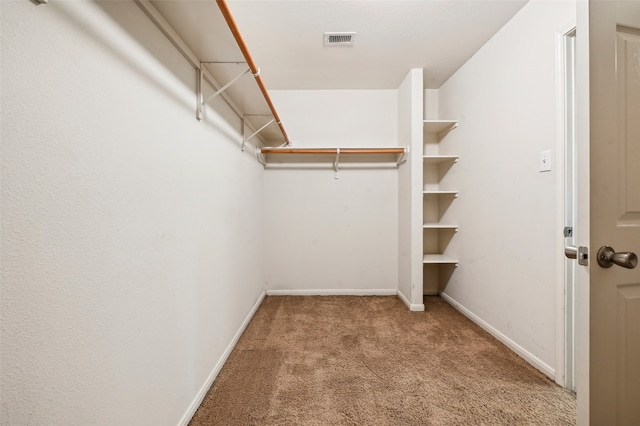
point(369, 361)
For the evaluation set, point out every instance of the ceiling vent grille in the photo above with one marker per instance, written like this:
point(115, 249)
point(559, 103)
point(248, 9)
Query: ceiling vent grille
point(339, 39)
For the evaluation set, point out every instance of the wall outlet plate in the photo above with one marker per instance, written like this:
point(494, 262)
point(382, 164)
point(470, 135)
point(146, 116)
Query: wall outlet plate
point(545, 161)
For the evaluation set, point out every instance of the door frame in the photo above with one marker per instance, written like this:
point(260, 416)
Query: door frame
point(583, 131)
point(561, 310)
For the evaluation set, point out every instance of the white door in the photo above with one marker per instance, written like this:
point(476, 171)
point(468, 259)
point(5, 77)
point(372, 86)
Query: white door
point(614, 355)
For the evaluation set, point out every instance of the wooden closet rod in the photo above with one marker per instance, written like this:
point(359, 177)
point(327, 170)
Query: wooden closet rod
point(333, 151)
point(231, 22)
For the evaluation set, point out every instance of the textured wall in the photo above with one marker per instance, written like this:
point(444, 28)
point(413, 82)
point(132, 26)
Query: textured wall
point(323, 233)
point(505, 99)
point(410, 117)
point(131, 233)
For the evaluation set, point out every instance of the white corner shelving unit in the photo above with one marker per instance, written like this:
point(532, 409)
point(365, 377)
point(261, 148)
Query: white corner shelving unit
point(436, 200)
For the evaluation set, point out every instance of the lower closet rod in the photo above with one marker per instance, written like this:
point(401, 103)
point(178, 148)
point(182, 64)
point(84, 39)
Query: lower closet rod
point(333, 151)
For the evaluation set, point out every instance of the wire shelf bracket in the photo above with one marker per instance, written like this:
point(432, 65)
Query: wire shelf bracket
point(245, 138)
point(201, 102)
point(260, 157)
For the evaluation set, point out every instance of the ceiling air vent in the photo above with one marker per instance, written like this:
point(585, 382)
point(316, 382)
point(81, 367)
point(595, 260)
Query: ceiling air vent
point(339, 39)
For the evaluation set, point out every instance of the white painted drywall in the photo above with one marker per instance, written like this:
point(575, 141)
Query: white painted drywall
point(505, 98)
point(410, 111)
point(131, 233)
point(332, 234)
point(431, 109)
point(336, 118)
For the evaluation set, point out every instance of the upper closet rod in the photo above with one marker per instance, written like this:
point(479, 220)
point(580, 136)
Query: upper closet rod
point(222, 4)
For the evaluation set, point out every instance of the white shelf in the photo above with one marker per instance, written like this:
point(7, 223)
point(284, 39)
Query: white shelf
point(393, 150)
point(439, 159)
point(439, 126)
point(454, 193)
point(332, 156)
point(433, 132)
point(438, 259)
point(202, 35)
point(439, 226)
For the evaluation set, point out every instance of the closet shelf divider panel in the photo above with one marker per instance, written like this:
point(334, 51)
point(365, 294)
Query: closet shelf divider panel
point(436, 234)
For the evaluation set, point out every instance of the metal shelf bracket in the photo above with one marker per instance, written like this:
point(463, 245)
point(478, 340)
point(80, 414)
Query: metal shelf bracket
point(246, 139)
point(260, 157)
point(201, 102)
point(402, 157)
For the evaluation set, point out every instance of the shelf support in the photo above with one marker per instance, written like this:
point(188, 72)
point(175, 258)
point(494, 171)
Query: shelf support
point(401, 157)
point(226, 86)
point(199, 95)
point(199, 80)
point(246, 139)
point(446, 131)
point(336, 164)
point(260, 157)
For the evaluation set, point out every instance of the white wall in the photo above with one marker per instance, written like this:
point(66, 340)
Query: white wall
point(410, 112)
point(131, 233)
point(332, 234)
point(505, 98)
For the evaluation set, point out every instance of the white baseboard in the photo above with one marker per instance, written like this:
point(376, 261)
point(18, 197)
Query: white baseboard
point(184, 421)
point(334, 292)
point(348, 292)
point(529, 357)
point(415, 307)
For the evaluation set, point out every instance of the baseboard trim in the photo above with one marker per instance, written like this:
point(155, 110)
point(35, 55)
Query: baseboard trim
point(216, 370)
point(528, 356)
point(414, 307)
point(334, 292)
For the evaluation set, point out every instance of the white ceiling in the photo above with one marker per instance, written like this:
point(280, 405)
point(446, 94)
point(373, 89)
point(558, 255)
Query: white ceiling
point(285, 38)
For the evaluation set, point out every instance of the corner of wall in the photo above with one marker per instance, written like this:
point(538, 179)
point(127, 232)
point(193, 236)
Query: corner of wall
point(410, 116)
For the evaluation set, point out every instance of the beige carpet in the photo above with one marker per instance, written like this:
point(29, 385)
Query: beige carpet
point(369, 361)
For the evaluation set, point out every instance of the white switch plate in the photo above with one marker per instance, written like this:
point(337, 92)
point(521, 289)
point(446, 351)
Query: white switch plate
point(545, 161)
